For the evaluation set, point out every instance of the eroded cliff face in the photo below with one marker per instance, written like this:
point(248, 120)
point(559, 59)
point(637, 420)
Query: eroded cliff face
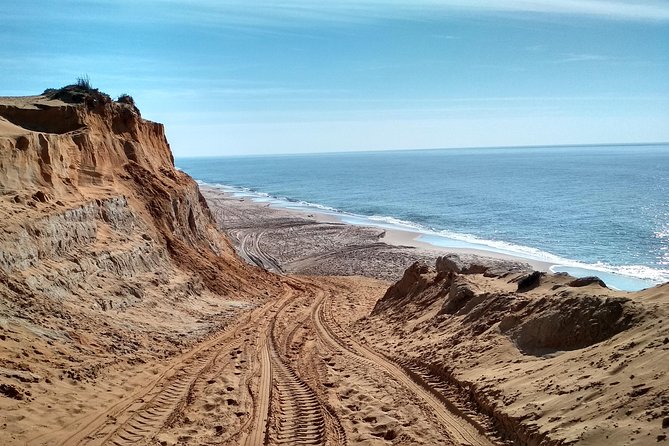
point(108, 254)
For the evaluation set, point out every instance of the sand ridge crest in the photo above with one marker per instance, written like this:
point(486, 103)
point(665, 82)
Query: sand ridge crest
point(556, 363)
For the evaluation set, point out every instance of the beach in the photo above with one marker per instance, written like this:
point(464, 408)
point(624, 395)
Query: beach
point(318, 243)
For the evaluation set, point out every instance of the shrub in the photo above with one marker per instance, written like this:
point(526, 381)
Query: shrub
point(126, 99)
point(79, 92)
point(84, 82)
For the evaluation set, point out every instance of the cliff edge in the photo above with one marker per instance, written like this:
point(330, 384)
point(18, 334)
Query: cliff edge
point(109, 255)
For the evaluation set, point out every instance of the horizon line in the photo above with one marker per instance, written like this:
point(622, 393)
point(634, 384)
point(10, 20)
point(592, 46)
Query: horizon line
point(333, 152)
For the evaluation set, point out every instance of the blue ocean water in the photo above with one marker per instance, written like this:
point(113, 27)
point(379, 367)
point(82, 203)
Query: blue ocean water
point(588, 210)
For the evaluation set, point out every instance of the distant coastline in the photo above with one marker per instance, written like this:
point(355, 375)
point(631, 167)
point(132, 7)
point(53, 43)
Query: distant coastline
point(598, 211)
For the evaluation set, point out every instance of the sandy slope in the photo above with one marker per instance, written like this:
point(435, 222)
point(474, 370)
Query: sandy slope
point(553, 363)
point(110, 263)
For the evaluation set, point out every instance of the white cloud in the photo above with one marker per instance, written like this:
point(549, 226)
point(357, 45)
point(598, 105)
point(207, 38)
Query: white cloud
point(583, 57)
point(255, 12)
point(612, 9)
point(267, 14)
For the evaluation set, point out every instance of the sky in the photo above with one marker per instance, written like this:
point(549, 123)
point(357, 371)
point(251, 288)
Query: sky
point(294, 76)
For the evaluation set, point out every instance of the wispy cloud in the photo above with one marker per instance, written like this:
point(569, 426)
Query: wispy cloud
point(445, 36)
point(325, 103)
point(614, 9)
point(250, 93)
point(294, 13)
point(655, 10)
point(535, 48)
point(583, 57)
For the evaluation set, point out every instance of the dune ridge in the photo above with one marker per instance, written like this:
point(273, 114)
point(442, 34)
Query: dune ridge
point(548, 358)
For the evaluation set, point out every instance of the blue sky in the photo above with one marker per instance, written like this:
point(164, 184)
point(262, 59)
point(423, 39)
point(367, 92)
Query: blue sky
point(248, 77)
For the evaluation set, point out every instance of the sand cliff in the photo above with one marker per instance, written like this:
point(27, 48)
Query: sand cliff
point(109, 255)
point(73, 166)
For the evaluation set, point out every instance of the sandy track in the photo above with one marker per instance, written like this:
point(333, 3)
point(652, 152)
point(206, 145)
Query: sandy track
point(251, 251)
point(461, 430)
point(131, 420)
point(139, 417)
point(258, 434)
point(300, 416)
point(290, 391)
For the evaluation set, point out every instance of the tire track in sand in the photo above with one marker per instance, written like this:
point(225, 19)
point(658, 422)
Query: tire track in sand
point(261, 403)
point(301, 420)
point(460, 429)
point(256, 431)
point(165, 390)
point(161, 410)
point(300, 415)
point(251, 250)
point(140, 416)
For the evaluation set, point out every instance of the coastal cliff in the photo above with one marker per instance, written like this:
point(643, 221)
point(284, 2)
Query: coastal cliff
point(66, 169)
point(109, 256)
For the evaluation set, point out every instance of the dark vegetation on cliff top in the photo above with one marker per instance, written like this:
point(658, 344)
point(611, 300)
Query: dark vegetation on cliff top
point(82, 92)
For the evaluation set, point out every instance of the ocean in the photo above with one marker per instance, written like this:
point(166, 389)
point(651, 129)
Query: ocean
point(591, 210)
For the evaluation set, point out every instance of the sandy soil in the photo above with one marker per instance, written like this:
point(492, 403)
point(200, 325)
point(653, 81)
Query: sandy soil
point(550, 361)
point(286, 373)
point(127, 318)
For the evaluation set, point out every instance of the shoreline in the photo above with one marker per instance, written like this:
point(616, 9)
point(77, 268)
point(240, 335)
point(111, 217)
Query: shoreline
point(393, 237)
point(403, 238)
point(396, 235)
point(318, 243)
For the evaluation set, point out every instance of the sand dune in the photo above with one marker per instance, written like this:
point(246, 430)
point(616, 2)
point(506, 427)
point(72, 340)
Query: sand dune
point(549, 359)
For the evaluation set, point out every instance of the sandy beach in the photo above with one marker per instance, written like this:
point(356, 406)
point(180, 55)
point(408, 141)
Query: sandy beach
point(295, 241)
